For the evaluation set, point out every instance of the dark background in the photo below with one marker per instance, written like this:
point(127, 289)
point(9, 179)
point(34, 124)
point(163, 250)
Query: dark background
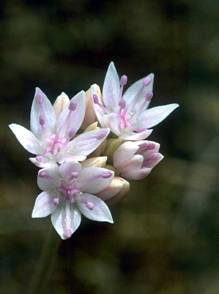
point(165, 239)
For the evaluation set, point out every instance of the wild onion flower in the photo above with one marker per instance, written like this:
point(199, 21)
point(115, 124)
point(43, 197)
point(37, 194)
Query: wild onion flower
point(135, 160)
point(53, 129)
point(127, 115)
point(69, 191)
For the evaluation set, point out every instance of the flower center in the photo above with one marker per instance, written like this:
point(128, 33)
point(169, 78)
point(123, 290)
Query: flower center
point(69, 191)
point(55, 144)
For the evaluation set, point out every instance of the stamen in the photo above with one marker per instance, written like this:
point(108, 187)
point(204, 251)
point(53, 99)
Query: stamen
point(151, 160)
point(72, 106)
point(146, 146)
point(147, 81)
point(123, 80)
point(122, 103)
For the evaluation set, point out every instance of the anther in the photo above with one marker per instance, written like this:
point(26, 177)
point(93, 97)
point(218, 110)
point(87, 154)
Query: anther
point(123, 80)
point(122, 103)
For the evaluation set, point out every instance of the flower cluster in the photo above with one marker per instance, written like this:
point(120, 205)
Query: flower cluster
point(89, 146)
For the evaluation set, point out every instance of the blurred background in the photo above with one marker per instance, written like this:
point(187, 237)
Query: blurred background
point(165, 238)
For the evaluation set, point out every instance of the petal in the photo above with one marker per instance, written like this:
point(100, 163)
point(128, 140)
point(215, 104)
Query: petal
point(94, 179)
point(68, 170)
point(71, 117)
point(86, 143)
point(66, 219)
point(26, 138)
point(90, 116)
point(61, 102)
point(117, 189)
point(42, 116)
point(134, 171)
point(111, 88)
point(155, 115)
point(42, 162)
point(48, 178)
point(112, 121)
point(136, 96)
point(44, 205)
point(94, 208)
point(152, 160)
point(135, 136)
point(124, 153)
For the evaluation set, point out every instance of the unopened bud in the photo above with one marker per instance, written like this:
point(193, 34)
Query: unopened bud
point(117, 189)
point(112, 145)
point(99, 161)
point(90, 115)
point(92, 127)
point(61, 102)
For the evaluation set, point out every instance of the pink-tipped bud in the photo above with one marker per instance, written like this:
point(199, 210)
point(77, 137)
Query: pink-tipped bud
point(123, 80)
point(152, 160)
point(117, 189)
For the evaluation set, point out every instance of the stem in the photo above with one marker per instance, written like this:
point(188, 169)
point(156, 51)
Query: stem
point(44, 265)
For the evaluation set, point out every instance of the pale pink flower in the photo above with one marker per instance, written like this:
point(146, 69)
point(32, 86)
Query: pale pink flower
point(126, 114)
point(68, 191)
point(53, 129)
point(135, 160)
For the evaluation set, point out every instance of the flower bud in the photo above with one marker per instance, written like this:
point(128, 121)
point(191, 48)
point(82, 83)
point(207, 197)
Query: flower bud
point(60, 103)
point(92, 127)
point(111, 146)
point(135, 160)
point(90, 116)
point(115, 191)
point(95, 161)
